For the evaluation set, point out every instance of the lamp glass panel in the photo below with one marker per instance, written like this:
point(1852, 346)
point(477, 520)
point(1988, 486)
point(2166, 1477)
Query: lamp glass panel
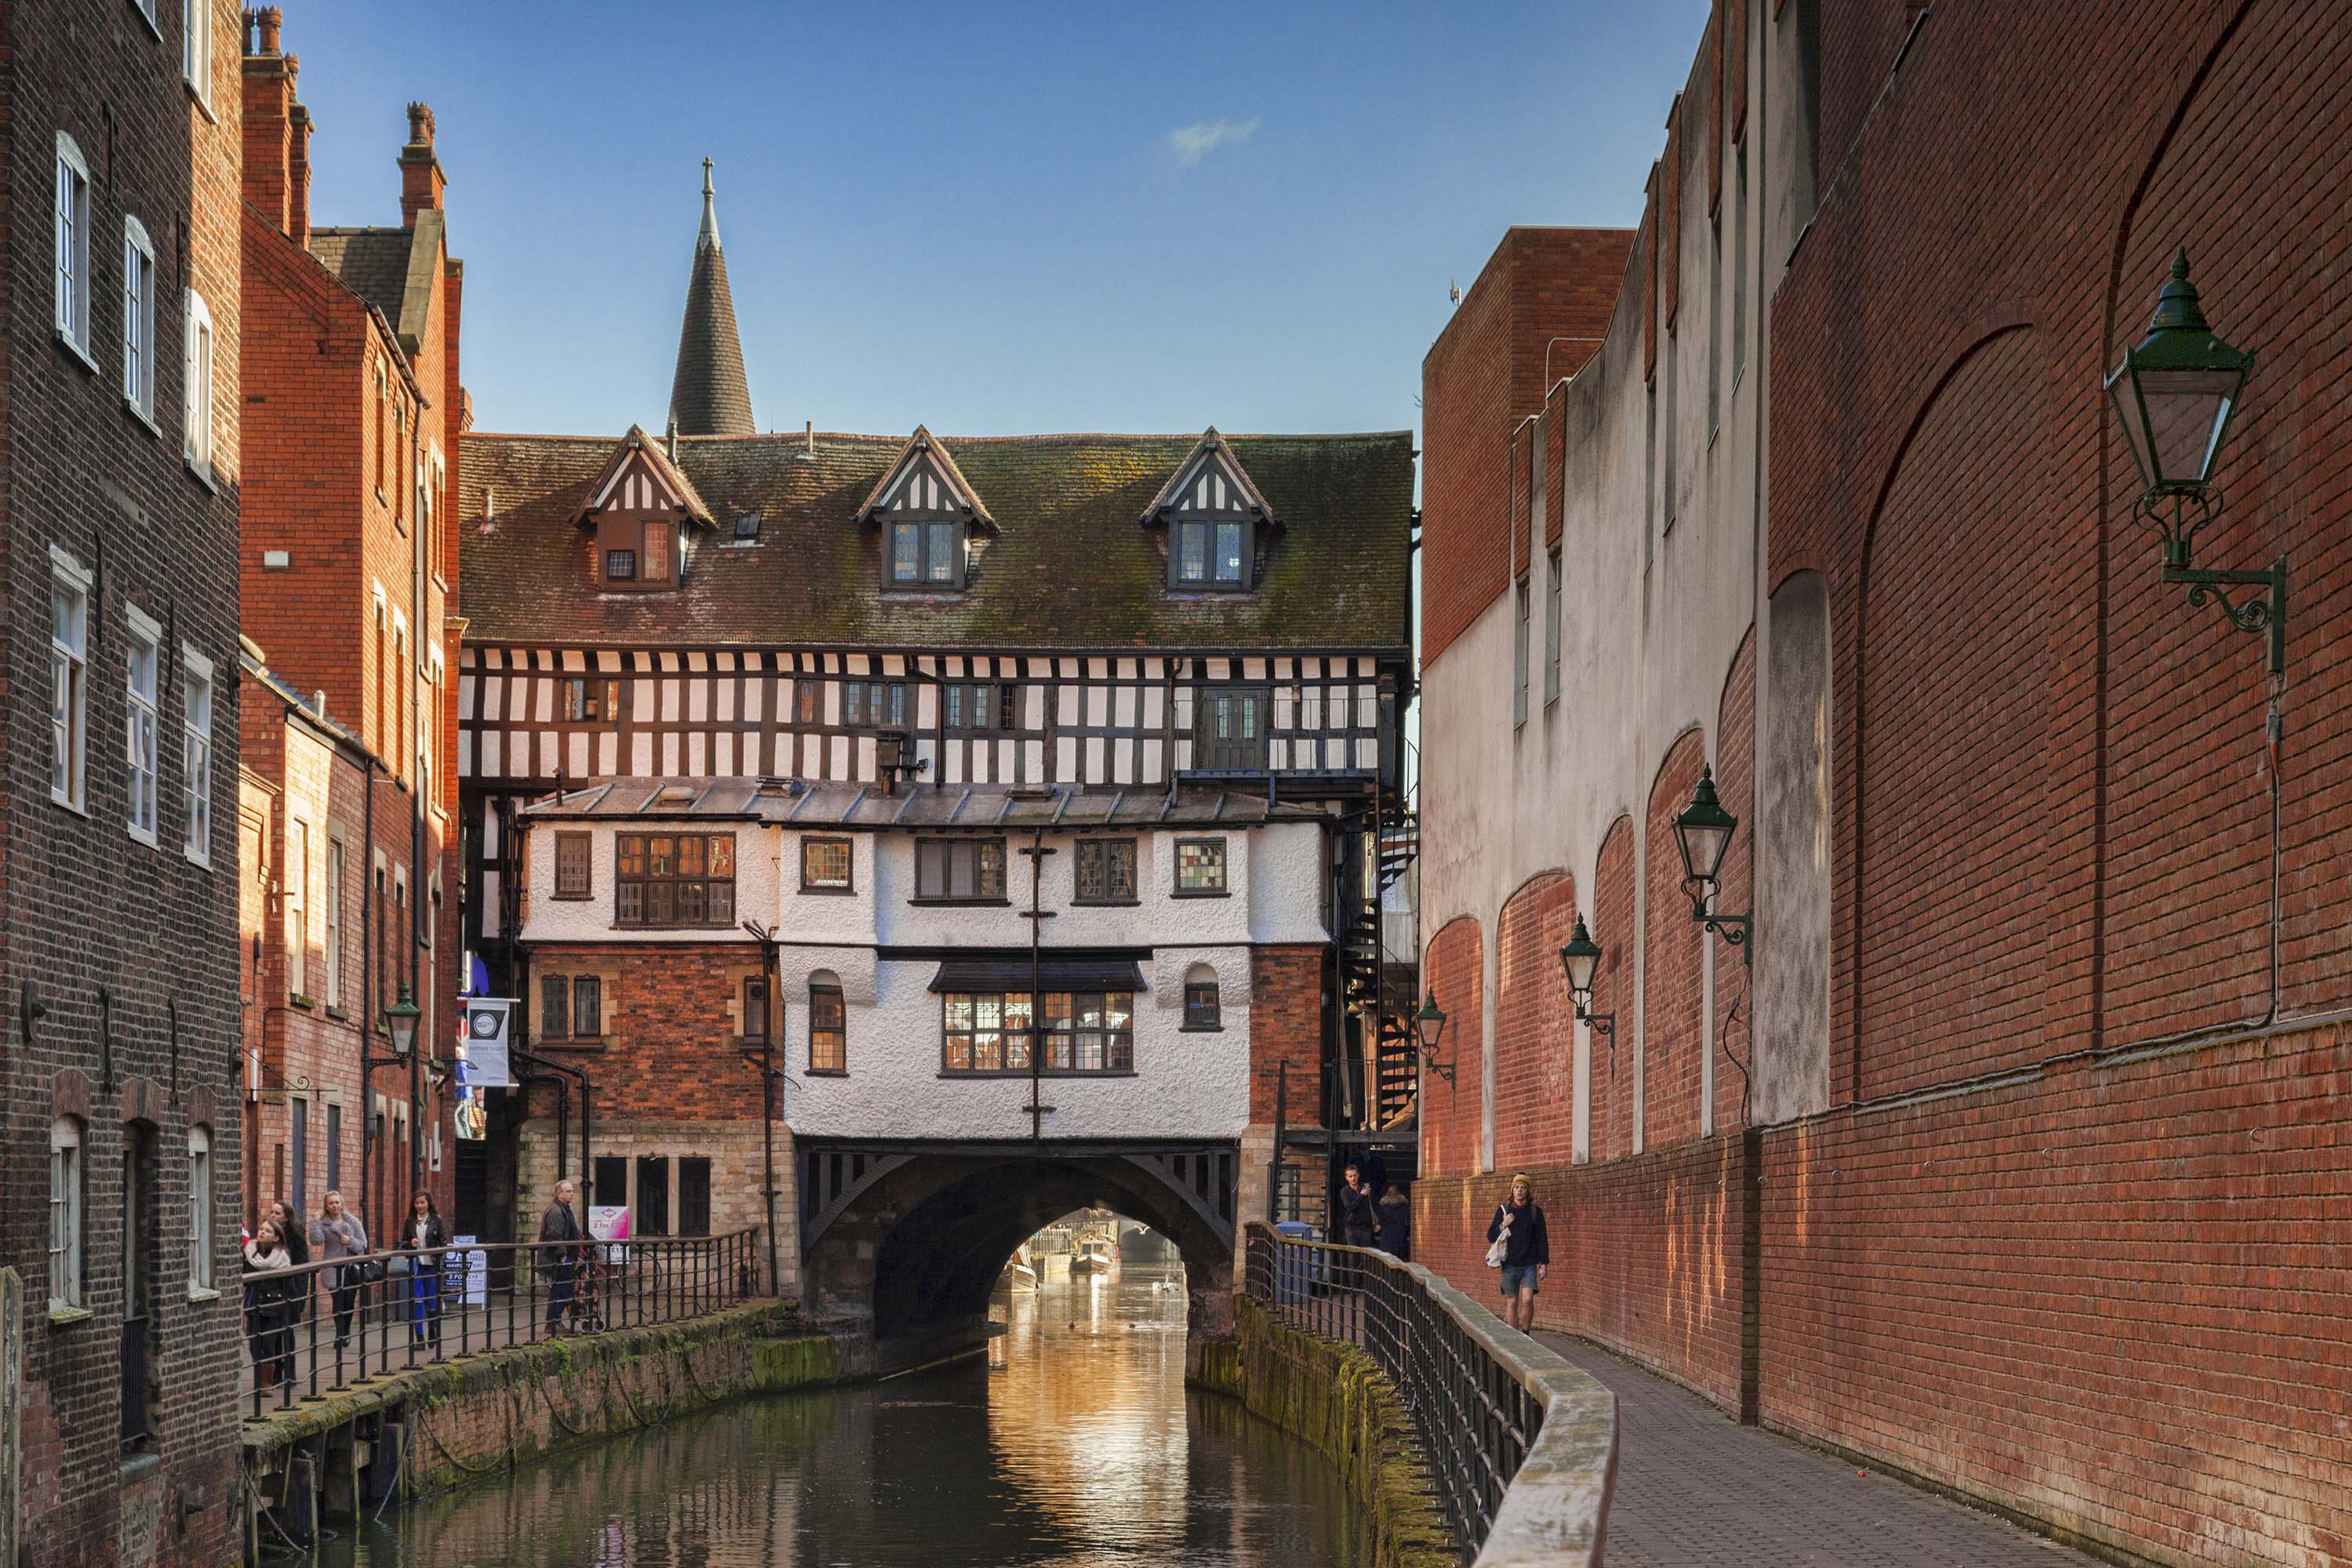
point(2186, 412)
point(1703, 848)
point(1581, 968)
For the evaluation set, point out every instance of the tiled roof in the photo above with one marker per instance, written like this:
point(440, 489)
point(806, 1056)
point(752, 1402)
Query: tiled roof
point(370, 262)
point(1069, 570)
point(839, 804)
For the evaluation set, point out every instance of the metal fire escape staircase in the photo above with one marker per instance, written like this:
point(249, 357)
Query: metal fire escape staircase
point(1379, 993)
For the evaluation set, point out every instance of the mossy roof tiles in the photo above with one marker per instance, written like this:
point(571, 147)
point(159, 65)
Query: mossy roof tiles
point(1071, 569)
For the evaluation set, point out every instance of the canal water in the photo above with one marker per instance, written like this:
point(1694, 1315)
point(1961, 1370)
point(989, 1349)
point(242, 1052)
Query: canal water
point(1075, 1443)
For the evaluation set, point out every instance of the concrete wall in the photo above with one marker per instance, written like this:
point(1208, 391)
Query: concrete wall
point(1661, 536)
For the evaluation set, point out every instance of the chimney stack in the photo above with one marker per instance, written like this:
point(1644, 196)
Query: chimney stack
point(298, 175)
point(269, 94)
point(421, 179)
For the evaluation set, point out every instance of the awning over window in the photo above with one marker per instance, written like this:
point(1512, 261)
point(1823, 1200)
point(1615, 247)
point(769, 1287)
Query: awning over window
point(1054, 972)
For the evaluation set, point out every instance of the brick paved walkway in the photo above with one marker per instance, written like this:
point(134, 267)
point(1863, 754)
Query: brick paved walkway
point(1694, 1488)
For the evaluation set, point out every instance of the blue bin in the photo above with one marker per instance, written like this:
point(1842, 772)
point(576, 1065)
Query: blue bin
point(1297, 1273)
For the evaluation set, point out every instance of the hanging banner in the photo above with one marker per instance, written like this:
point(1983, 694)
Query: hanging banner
point(489, 1031)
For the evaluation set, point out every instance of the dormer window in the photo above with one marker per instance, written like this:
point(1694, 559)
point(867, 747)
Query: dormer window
point(1216, 519)
point(926, 553)
point(928, 515)
point(639, 505)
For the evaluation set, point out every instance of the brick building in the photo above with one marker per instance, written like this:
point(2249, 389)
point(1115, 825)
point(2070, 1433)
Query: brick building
point(1174, 662)
point(348, 573)
point(2011, 1161)
point(120, 468)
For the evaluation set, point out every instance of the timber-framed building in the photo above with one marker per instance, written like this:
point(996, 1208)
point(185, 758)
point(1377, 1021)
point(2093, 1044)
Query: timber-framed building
point(841, 687)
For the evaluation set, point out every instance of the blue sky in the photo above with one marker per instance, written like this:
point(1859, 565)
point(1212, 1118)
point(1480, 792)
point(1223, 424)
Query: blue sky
point(1048, 216)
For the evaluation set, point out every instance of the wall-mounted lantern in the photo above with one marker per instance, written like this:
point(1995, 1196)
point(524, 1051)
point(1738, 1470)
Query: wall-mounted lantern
point(2175, 394)
point(400, 1021)
point(1429, 1024)
point(1581, 958)
point(1703, 831)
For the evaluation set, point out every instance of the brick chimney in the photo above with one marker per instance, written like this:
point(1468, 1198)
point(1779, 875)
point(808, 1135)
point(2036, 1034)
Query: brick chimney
point(298, 175)
point(268, 83)
point(421, 179)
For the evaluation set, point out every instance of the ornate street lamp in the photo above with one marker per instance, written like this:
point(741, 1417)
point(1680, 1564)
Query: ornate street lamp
point(1581, 958)
point(1430, 1025)
point(2174, 395)
point(1703, 831)
point(400, 1020)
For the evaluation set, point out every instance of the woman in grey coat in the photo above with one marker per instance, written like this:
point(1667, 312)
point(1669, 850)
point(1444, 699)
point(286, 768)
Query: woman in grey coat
point(336, 1232)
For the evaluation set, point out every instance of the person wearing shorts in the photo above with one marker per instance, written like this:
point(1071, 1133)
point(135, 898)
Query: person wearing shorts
point(1519, 1224)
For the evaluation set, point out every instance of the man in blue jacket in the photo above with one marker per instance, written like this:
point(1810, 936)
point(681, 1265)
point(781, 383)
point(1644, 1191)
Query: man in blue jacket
point(1519, 1224)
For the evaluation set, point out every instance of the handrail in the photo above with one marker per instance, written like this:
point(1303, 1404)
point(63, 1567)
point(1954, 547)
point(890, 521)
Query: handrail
point(390, 1311)
point(1522, 1444)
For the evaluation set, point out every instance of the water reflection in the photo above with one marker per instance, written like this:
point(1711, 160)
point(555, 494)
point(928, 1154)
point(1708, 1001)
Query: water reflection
point(1079, 1446)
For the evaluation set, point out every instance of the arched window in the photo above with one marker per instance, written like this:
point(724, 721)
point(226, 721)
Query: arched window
point(828, 1025)
point(1202, 1009)
point(65, 1178)
point(200, 1207)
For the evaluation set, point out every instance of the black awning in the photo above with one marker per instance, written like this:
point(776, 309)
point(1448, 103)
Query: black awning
point(1054, 971)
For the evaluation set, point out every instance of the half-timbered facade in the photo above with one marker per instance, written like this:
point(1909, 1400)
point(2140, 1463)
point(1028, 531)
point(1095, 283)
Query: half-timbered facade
point(898, 643)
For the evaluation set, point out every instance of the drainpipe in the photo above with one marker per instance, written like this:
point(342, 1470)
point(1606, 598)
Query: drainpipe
point(768, 1086)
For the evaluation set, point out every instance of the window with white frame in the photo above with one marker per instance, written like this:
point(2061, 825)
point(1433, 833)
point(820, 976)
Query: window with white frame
point(138, 319)
point(334, 923)
point(73, 244)
point(140, 664)
point(65, 1213)
point(197, 46)
point(197, 753)
point(198, 384)
point(200, 1208)
point(70, 588)
point(298, 907)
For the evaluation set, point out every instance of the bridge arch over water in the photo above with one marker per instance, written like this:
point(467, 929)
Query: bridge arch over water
point(909, 1237)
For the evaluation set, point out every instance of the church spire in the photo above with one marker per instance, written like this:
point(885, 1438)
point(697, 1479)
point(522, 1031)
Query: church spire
point(708, 397)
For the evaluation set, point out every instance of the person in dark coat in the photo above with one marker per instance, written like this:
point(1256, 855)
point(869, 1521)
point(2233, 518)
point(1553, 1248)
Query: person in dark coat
point(558, 1222)
point(296, 1240)
point(422, 1237)
point(1519, 1225)
point(1354, 1208)
point(1394, 1217)
point(265, 1305)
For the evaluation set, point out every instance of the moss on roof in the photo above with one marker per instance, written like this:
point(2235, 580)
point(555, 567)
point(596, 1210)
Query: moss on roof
point(1072, 567)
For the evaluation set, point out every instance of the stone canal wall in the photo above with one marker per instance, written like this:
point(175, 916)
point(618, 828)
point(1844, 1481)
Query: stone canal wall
point(1332, 1397)
point(442, 1426)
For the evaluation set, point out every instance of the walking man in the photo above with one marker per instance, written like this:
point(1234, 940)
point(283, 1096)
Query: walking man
point(559, 1223)
point(1519, 1227)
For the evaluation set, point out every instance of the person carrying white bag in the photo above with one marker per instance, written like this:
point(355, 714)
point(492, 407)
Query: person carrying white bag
point(1520, 1246)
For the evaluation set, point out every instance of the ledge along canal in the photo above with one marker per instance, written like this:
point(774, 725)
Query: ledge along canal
point(1073, 1442)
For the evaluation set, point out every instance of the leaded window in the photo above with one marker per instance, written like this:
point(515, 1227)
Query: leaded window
point(672, 879)
point(1200, 866)
point(826, 864)
point(1105, 870)
point(957, 869)
point(1078, 1032)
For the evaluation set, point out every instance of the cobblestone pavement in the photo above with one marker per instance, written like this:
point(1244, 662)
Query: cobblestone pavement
point(1694, 1488)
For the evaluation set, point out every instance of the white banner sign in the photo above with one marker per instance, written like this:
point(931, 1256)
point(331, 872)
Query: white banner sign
point(488, 1032)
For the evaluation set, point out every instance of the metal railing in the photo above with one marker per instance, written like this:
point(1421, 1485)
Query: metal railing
point(322, 1327)
point(1490, 1406)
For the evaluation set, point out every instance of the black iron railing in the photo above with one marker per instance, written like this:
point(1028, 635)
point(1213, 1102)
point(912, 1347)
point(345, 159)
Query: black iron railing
point(321, 1327)
point(1478, 1392)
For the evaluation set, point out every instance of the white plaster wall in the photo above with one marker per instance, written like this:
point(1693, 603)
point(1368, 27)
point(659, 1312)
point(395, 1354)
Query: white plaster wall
point(546, 918)
point(1646, 648)
point(1185, 1083)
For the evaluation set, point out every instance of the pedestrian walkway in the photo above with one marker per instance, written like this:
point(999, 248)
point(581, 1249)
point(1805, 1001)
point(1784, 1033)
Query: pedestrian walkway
point(1695, 1488)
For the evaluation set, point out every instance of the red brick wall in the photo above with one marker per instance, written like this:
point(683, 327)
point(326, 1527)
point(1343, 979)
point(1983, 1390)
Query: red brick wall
point(672, 1018)
point(1450, 1113)
point(1485, 373)
point(1673, 980)
point(2141, 1337)
point(1285, 1015)
point(1646, 1254)
point(1612, 992)
point(1535, 1062)
point(1734, 786)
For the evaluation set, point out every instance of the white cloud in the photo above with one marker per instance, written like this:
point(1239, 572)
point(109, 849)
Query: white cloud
point(1193, 143)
